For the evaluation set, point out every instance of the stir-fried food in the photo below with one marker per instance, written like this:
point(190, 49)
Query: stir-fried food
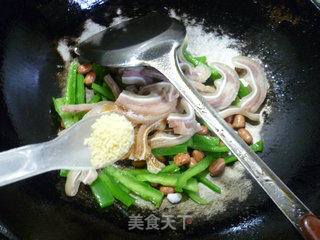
point(151, 126)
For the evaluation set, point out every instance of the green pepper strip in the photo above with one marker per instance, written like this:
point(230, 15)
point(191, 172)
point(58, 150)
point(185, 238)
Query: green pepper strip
point(64, 173)
point(168, 180)
point(142, 189)
point(68, 118)
point(135, 171)
point(236, 102)
point(100, 192)
point(100, 72)
point(96, 98)
point(123, 187)
point(206, 143)
point(201, 177)
point(104, 91)
point(196, 61)
point(243, 91)
point(173, 150)
point(193, 171)
point(172, 168)
point(202, 59)
point(196, 198)
point(80, 92)
point(199, 142)
point(256, 147)
point(116, 191)
point(171, 162)
point(71, 84)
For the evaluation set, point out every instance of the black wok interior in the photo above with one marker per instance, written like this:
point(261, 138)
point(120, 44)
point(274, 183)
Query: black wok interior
point(286, 37)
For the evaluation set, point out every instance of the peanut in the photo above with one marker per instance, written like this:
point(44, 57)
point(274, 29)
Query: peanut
point(181, 159)
point(84, 68)
point(217, 167)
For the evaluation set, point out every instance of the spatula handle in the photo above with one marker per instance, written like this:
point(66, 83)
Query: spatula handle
point(310, 226)
point(291, 206)
point(20, 163)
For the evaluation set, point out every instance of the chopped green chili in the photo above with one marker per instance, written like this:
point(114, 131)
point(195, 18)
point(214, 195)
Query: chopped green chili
point(96, 98)
point(173, 150)
point(101, 192)
point(193, 171)
point(68, 118)
point(116, 190)
point(104, 91)
point(236, 102)
point(168, 180)
point(100, 72)
point(172, 168)
point(142, 189)
point(80, 92)
point(201, 177)
point(243, 91)
point(204, 142)
point(196, 198)
point(64, 172)
point(202, 59)
point(71, 84)
point(135, 171)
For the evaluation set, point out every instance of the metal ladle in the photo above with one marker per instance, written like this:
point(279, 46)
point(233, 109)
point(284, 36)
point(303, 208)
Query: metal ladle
point(153, 41)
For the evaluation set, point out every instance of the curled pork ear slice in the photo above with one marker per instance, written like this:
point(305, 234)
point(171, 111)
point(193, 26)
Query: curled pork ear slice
point(134, 75)
point(184, 123)
point(143, 109)
point(141, 149)
point(112, 85)
point(203, 88)
point(257, 82)
point(199, 73)
point(227, 87)
point(106, 107)
point(82, 108)
point(75, 177)
point(236, 110)
point(162, 139)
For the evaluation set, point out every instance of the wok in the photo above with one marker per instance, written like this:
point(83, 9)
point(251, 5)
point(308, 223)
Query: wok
point(286, 37)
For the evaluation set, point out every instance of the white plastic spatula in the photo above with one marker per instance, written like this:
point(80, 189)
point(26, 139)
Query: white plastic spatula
point(64, 152)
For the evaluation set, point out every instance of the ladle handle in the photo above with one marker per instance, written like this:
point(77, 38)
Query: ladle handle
point(20, 163)
point(310, 226)
point(282, 196)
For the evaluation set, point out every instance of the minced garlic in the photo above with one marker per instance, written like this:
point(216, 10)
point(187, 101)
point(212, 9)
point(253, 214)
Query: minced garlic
point(111, 138)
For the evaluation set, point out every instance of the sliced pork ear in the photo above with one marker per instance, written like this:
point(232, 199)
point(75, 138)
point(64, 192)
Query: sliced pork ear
point(151, 104)
point(227, 87)
point(75, 177)
point(134, 75)
point(237, 110)
point(82, 108)
point(106, 107)
point(200, 73)
point(142, 150)
point(184, 123)
point(153, 73)
point(161, 139)
point(112, 85)
point(143, 109)
point(165, 89)
point(257, 81)
point(203, 88)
